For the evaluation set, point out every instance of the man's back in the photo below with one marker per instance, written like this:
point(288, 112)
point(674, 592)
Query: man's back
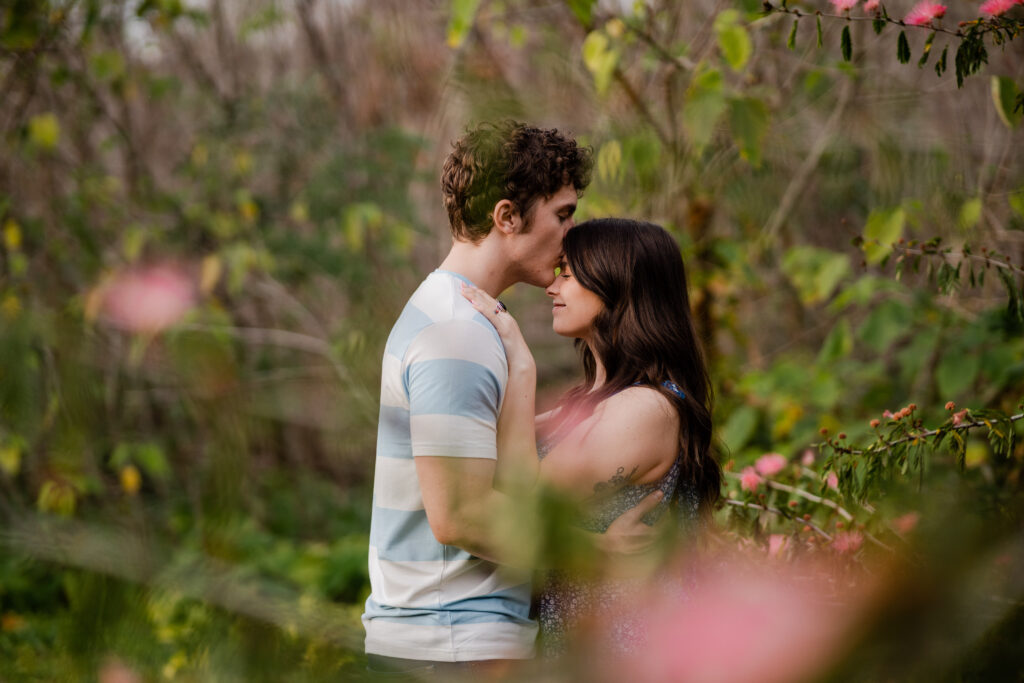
point(444, 375)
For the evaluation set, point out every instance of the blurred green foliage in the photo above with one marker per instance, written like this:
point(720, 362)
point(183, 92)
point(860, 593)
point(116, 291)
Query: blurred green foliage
point(195, 501)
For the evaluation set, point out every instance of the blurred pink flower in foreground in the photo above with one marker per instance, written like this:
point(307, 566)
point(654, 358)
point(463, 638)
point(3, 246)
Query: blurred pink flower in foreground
point(848, 541)
point(844, 5)
point(997, 7)
point(749, 479)
point(832, 479)
point(871, 5)
point(777, 543)
point(906, 523)
point(741, 622)
point(148, 299)
point(924, 12)
point(770, 464)
point(808, 458)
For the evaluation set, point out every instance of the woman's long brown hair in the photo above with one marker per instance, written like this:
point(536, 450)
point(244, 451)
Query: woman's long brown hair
point(645, 335)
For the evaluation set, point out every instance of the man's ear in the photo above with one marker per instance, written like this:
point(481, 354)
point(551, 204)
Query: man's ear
point(506, 217)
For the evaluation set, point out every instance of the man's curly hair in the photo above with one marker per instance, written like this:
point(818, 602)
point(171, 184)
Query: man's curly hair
point(507, 160)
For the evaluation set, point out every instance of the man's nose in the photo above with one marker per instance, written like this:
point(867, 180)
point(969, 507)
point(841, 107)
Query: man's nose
point(552, 289)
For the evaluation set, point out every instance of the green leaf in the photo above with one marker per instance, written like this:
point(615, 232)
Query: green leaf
point(903, 48)
point(463, 13)
point(956, 373)
point(927, 50)
point(1004, 96)
point(748, 119)
point(838, 344)
point(609, 161)
point(883, 228)
point(106, 66)
point(44, 131)
point(791, 41)
point(733, 39)
point(740, 427)
point(815, 272)
point(846, 44)
point(584, 11)
point(600, 59)
point(970, 213)
point(820, 41)
point(1016, 201)
point(878, 23)
point(889, 321)
point(940, 66)
point(705, 103)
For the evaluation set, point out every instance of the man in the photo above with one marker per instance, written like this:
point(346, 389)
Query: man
point(438, 595)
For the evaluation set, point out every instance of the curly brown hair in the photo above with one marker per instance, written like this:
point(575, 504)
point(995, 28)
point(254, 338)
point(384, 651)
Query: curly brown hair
point(507, 160)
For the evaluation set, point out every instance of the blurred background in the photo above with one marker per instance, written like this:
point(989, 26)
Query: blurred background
point(212, 212)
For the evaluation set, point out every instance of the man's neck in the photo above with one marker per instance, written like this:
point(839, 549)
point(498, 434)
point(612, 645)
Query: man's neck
point(483, 264)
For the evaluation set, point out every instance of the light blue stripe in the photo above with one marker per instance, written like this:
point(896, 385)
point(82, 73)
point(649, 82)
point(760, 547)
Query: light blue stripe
point(393, 437)
point(449, 386)
point(481, 320)
point(409, 324)
point(505, 607)
point(405, 536)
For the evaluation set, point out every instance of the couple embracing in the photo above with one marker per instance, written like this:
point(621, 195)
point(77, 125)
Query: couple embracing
point(458, 436)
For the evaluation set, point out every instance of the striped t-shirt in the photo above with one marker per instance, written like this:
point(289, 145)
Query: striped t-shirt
point(443, 380)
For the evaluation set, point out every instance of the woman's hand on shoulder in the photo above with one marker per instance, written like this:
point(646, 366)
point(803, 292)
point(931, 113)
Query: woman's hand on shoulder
point(516, 350)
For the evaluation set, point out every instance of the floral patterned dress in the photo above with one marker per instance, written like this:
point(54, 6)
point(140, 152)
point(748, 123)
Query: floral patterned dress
point(565, 599)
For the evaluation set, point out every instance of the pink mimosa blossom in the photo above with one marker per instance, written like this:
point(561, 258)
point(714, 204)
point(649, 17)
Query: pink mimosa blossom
point(847, 541)
point(807, 459)
point(148, 300)
point(770, 464)
point(769, 627)
point(832, 480)
point(959, 417)
point(888, 414)
point(750, 479)
point(924, 12)
point(906, 523)
point(871, 5)
point(777, 543)
point(995, 8)
point(844, 5)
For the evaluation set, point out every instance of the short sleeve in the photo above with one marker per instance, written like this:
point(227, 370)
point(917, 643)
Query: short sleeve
point(455, 374)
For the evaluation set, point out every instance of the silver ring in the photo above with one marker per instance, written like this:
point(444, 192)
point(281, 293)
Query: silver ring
point(500, 308)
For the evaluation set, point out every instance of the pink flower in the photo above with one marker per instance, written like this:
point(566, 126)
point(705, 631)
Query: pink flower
point(770, 464)
point(844, 5)
point(749, 479)
point(808, 458)
point(147, 300)
point(959, 417)
point(847, 541)
point(871, 5)
point(996, 7)
point(738, 626)
point(832, 480)
point(906, 523)
point(888, 414)
point(777, 543)
point(924, 12)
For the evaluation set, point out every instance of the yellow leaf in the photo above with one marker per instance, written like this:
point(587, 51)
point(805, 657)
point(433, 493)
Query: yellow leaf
point(210, 273)
point(12, 235)
point(299, 212)
point(10, 460)
point(131, 479)
point(44, 131)
point(200, 155)
point(11, 306)
point(248, 210)
point(243, 162)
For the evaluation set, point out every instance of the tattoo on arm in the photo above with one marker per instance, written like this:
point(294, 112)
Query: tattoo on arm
point(617, 481)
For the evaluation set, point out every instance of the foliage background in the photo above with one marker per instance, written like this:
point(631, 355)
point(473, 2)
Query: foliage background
point(194, 503)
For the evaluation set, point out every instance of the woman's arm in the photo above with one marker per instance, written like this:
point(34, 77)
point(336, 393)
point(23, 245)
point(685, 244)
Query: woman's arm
point(517, 467)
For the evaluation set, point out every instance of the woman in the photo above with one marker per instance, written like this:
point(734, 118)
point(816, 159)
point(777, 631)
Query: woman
point(641, 418)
